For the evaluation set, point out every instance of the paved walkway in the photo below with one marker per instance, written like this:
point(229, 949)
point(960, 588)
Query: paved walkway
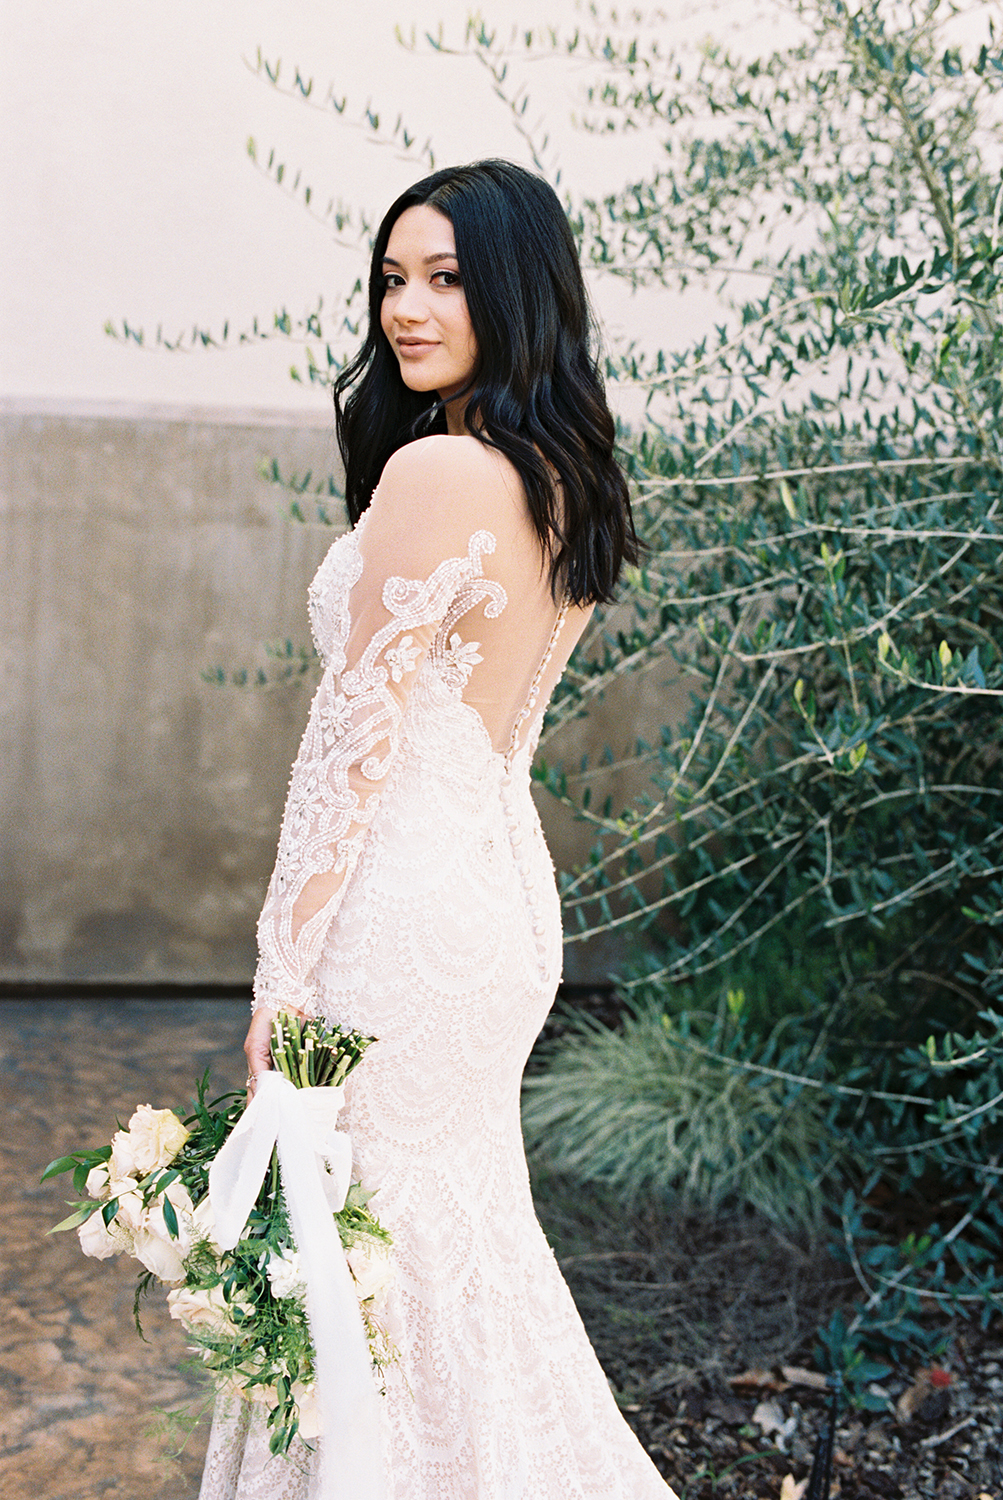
point(81, 1391)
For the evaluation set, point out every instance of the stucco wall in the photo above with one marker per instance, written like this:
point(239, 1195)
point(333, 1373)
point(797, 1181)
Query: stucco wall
point(141, 804)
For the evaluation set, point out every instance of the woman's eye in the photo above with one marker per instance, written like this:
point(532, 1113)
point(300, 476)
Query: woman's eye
point(394, 280)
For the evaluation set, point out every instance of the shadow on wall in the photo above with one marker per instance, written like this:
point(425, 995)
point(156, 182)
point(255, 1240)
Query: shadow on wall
point(142, 803)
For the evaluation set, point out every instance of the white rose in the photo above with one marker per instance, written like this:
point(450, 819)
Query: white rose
point(98, 1241)
point(157, 1248)
point(199, 1309)
point(97, 1182)
point(285, 1274)
point(131, 1209)
point(119, 1186)
point(155, 1137)
point(370, 1264)
point(122, 1166)
point(139, 1215)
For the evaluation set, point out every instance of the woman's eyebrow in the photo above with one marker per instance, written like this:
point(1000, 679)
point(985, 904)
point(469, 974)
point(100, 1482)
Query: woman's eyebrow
point(429, 260)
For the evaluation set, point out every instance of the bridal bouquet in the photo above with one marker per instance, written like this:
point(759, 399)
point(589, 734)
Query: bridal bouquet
point(241, 1294)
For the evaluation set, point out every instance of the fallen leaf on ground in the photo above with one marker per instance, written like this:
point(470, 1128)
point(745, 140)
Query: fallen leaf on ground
point(768, 1417)
point(797, 1375)
point(732, 1413)
point(791, 1488)
point(757, 1380)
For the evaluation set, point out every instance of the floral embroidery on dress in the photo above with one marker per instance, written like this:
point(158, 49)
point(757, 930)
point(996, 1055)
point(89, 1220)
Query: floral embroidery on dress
point(337, 720)
point(402, 658)
point(457, 660)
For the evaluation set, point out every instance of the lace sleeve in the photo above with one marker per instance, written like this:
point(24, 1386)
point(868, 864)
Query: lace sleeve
point(383, 632)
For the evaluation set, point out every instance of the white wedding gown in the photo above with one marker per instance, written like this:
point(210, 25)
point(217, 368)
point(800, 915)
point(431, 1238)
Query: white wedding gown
point(414, 898)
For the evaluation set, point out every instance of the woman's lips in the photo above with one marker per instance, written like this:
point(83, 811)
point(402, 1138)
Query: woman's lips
point(411, 348)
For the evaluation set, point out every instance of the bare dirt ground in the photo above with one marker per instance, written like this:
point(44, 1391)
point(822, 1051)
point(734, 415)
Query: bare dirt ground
point(706, 1330)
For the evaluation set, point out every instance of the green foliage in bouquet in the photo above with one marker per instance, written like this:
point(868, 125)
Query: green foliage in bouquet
point(243, 1308)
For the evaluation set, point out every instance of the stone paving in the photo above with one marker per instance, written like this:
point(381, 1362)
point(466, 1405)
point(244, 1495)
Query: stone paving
point(81, 1391)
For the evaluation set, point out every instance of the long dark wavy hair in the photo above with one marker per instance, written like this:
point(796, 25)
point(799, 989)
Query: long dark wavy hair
point(536, 394)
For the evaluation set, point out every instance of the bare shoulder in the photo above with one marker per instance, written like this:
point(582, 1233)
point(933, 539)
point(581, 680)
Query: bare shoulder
point(457, 473)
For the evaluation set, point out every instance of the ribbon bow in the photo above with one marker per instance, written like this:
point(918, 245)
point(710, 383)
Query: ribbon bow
point(315, 1162)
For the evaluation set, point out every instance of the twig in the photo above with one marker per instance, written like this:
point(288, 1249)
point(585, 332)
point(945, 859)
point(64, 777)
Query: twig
point(943, 1437)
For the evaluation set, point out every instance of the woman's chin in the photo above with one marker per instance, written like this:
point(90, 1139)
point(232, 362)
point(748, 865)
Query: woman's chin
point(416, 380)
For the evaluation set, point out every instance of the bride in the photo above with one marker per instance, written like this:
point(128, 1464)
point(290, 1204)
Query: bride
point(413, 897)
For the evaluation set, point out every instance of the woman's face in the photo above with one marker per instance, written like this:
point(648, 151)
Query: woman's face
point(424, 311)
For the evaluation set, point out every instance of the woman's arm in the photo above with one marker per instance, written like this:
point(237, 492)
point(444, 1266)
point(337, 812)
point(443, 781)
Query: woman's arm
point(410, 571)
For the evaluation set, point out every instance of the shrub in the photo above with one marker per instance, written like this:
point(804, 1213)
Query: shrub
point(664, 1108)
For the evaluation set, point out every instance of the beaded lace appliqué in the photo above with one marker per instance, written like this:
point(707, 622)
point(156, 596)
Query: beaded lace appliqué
point(352, 741)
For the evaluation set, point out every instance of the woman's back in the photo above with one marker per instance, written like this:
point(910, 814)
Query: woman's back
point(434, 497)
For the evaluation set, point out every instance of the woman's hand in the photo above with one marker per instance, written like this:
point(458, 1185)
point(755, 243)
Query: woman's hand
point(257, 1044)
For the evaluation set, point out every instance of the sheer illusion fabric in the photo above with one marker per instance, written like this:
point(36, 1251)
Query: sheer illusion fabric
point(413, 897)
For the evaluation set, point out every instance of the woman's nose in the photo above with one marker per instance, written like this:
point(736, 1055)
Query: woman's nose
point(410, 305)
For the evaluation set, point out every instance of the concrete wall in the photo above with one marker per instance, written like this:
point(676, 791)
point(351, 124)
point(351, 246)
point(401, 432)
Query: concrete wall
point(141, 804)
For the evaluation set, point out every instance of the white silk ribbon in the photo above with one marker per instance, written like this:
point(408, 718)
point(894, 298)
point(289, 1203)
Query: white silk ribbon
point(301, 1125)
